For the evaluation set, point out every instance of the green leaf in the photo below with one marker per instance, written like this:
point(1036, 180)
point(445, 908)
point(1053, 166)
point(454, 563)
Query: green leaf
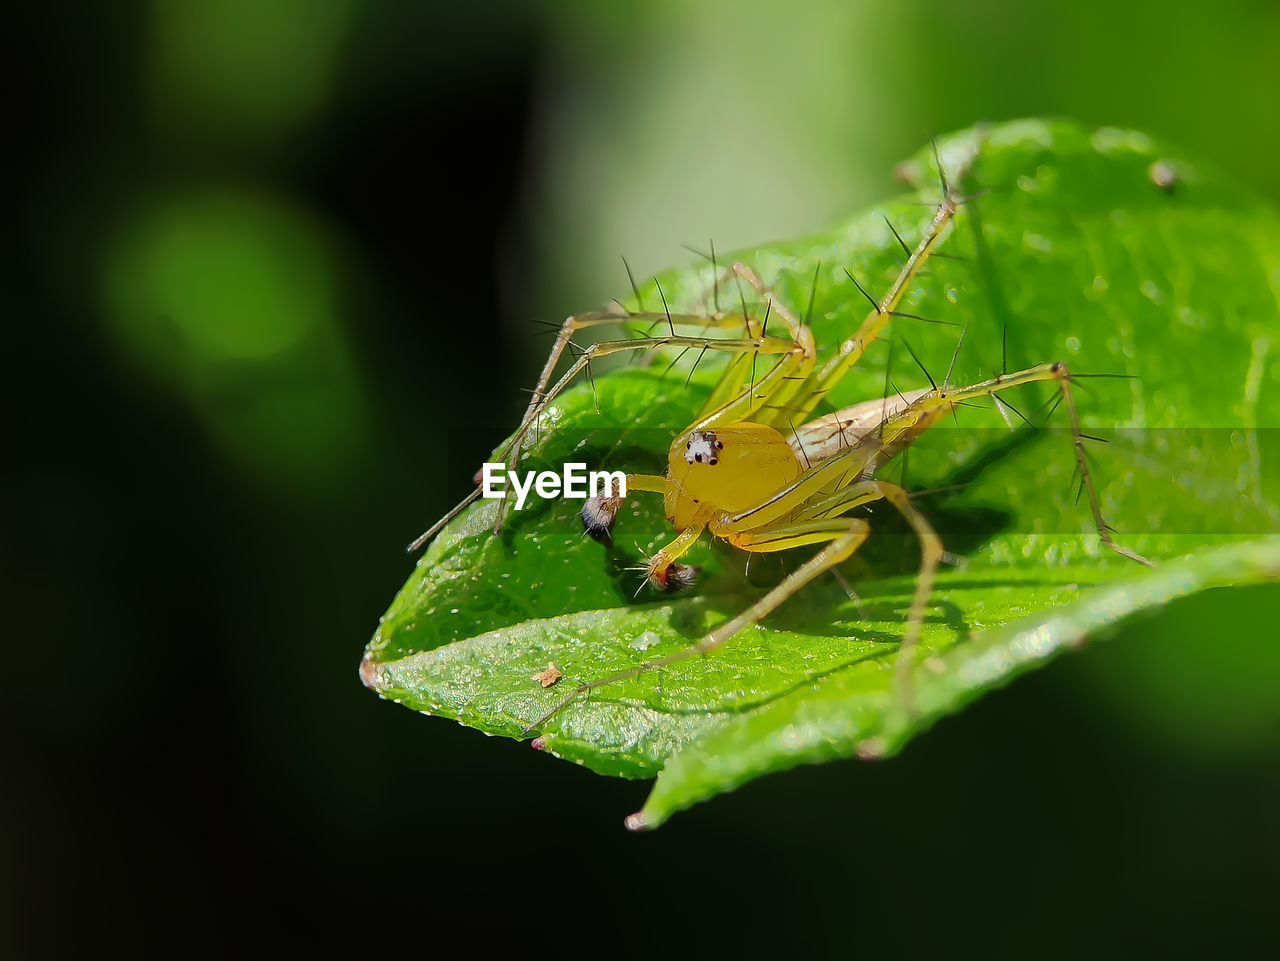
point(1082, 251)
point(854, 713)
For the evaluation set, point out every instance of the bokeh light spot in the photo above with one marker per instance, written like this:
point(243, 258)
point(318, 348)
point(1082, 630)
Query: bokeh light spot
point(228, 275)
point(229, 299)
point(244, 70)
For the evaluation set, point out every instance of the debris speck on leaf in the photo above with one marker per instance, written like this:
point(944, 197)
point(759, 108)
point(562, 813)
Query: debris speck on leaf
point(550, 676)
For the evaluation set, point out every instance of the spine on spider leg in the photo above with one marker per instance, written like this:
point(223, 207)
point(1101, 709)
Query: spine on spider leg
point(567, 330)
point(510, 447)
point(571, 325)
point(852, 349)
point(1077, 440)
point(545, 392)
point(940, 399)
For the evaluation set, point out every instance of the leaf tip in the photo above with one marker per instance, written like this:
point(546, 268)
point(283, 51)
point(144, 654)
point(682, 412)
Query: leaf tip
point(370, 674)
point(637, 822)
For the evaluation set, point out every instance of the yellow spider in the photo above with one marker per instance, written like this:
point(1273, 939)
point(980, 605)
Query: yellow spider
point(734, 472)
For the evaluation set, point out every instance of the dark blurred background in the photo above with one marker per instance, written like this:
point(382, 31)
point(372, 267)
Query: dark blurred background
point(271, 274)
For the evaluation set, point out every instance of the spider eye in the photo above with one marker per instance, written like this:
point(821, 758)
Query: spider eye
point(719, 445)
point(698, 458)
point(688, 444)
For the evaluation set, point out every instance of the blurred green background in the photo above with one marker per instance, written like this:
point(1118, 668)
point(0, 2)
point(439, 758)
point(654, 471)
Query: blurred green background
point(272, 274)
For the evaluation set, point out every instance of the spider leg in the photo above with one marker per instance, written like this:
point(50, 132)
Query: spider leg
point(851, 351)
point(903, 426)
point(931, 554)
point(844, 535)
point(718, 410)
point(509, 451)
point(665, 572)
point(578, 322)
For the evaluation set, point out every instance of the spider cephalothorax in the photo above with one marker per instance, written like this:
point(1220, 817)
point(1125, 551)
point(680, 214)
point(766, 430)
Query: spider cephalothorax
point(750, 462)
